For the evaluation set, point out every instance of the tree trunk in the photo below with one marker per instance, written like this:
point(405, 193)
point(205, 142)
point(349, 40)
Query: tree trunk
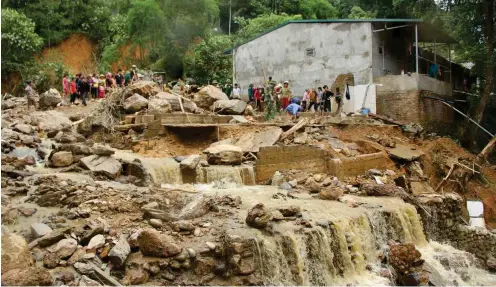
point(488, 87)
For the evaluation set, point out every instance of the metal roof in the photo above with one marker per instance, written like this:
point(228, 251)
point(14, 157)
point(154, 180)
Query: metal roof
point(427, 32)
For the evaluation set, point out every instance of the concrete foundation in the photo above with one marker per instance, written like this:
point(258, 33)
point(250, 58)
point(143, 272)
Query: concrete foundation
point(358, 165)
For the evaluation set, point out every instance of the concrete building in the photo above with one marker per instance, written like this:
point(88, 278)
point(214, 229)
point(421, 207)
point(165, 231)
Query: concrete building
point(388, 52)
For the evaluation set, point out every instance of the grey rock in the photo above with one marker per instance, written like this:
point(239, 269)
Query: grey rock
point(96, 242)
point(49, 99)
point(105, 165)
point(277, 179)
point(135, 103)
point(153, 243)
point(23, 128)
point(159, 106)
point(102, 150)
point(208, 95)
point(229, 107)
point(285, 186)
point(119, 253)
point(40, 229)
point(190, 162)
point(224, 154)
point(64, 248)
point(157, 223)
point(62, 159)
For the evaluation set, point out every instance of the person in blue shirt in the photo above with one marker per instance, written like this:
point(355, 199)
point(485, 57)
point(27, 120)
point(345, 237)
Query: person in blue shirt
point(293, 109)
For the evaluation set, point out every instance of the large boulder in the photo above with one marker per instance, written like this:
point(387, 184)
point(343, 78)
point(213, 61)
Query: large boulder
point(146, 89)
point(373, 189)
point(189, 106)
point(104, 165)
point(31, 276)
point(50, 121)
point(40, 229)
point(64, 248)
point(135, 103)
point(190, 162)
point(230, 107)
point(224, 154)
point(23, 128)
point(258, 216)
point(15, 253)
point(159, 106)
point(62, 159)
point(118, 254)
point(209, 95)
point(8, 104)
point(50, 99)
point(153, 243)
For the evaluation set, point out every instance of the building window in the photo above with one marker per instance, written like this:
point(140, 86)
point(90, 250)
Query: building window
point(380, 50)
point(310, 52)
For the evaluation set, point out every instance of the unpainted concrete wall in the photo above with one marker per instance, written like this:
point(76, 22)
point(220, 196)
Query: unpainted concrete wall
point(394, 83)
point(358, 165)
point(340, 48)
point(274, 158)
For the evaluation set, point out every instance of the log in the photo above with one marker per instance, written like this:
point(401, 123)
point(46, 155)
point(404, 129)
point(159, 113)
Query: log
point(453, 166)
point(296, 127)
point(482, 156)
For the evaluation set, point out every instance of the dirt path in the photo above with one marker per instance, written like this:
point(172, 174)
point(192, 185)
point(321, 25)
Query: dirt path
point(78, 109)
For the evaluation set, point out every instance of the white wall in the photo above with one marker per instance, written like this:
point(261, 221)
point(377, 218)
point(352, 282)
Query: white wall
point(340, 48)
point(357, 95)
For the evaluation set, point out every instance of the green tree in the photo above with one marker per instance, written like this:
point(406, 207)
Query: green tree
point(205, 61)
point(19, 41)
point(252, 27)
point(358, 13)
point(310, 9)
point(145, 24)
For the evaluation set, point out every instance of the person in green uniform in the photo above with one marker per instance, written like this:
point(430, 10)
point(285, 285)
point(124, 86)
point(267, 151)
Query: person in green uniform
point(270, 112)
point(228, 88)
point(127, 78)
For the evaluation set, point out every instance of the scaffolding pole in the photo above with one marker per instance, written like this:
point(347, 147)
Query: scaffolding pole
point(416, 50)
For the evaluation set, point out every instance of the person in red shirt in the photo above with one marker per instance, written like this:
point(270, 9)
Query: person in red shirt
point(73, 90)
point(257, 95)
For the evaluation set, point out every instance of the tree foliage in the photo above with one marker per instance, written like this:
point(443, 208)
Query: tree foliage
point(252, 27)
point(205, 60)
point(19, 41)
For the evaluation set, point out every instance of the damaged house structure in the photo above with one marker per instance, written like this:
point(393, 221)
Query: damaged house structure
point(385, 62)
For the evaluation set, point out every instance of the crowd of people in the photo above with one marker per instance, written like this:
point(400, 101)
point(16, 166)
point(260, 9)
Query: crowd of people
point(80, 88)
point(274, 97)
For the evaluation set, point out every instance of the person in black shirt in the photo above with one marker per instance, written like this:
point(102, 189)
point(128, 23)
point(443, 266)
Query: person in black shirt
point(119, 78)
point(326, 97)
point(84, 89)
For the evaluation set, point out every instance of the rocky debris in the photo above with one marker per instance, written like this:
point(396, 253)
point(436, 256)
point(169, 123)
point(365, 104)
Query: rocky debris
point(15, 253)
point(207, 96)
point(412, 129)
point(224, 154)
point(189, 106)
point(229, 107)
point(152, 243)
point(102, 165)
point(407, 262)
point(8, 104)
point(96, 242)
point(135, 103)
point(50, 99)
point(491, 264)
point(30, 276)
point(381, 189)
point(157, 223)
point(51, 260)
point(288, 211)
point(258, 216)
point(62, 159)
point(64, 248)
point(102, 150)
point(50, 238)
point(406, 153)
point(312, 185)
point(87, 281)
point(331, 193)
point(40, 229)
point(252, 142)
point(190, 162)
point(135, 276)
point(75, 149)
point(23, 128)
point(159, 106)
point(146, 89)
point(50, 121)
point(119, 253)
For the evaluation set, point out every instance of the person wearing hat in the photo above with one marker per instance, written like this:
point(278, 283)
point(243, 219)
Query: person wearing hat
point(215, 83)
point(236, 92)
point(31, 95)
point(134, 73)
point(293, 109)
point(285, 95)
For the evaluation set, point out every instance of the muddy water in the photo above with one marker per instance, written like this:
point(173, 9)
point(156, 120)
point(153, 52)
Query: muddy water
point(343, 245)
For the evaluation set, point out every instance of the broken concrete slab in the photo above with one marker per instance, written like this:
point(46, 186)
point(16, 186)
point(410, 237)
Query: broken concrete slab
point(420, 187)
point(252, 142)
point(105, 165)
point(404, 152)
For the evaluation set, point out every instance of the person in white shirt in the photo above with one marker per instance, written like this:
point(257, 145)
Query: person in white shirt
point(236, 92)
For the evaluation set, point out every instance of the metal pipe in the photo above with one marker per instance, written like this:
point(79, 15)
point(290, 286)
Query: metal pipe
point(391, 28)
point(416, 50)
point(449, 59)
point(435, 50)
point(458, 111)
